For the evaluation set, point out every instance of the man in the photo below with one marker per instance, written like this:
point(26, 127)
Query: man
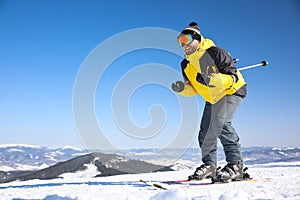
point(211, 72)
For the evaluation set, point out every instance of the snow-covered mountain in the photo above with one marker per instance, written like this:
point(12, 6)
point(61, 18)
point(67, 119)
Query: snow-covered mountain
point(26, 162)
point(29, 157)
point(102, 165)
point(78, 174)
point(252, 155)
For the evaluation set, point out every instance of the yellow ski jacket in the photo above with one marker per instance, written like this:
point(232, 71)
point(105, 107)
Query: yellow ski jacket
point(216, 63)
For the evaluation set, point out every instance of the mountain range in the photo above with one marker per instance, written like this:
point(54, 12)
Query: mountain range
point(26, 162)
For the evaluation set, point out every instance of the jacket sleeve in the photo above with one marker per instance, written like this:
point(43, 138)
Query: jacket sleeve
point(183, 64)
point(221, 80)
point(188, 90)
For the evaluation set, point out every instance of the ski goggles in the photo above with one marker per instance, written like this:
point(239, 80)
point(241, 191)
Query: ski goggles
point(184, 39)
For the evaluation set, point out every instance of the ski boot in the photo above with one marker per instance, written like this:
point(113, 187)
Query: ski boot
point(232, 172)
point(203, 172)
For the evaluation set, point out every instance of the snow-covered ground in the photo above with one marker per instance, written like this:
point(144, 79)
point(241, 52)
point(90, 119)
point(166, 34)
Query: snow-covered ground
point(272, 183)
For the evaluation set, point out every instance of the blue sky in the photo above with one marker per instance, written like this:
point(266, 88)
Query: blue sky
point(43, 44)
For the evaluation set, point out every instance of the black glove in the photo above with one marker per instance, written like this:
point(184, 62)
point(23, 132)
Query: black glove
point(178, 86)
point(204, 79)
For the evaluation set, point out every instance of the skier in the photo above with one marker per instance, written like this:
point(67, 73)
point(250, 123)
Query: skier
point(211, 72)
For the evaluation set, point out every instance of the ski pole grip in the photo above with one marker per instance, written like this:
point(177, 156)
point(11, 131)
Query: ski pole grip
point(235, 60)
point(264, 63)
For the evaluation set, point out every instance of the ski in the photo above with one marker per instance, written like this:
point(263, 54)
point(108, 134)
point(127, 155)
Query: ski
point(193, 182)
point(188, 182)
point(166, 185)
point(155, 184)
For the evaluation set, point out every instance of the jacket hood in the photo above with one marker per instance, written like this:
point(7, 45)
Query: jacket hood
point(205, 43)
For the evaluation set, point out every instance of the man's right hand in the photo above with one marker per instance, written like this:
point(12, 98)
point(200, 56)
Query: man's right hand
point(178, 86)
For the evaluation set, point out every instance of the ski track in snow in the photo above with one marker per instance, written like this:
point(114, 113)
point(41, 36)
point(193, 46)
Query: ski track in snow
point(273, 183)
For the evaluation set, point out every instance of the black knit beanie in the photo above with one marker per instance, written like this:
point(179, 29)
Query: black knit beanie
point(194, 30)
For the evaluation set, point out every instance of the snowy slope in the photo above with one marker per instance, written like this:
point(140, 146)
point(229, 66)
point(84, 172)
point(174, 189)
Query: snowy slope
point(273, 183)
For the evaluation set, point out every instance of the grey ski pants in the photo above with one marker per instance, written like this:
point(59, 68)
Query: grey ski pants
point(216, 123)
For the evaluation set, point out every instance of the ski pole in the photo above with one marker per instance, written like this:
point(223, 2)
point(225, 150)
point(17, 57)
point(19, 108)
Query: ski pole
point(263, 63)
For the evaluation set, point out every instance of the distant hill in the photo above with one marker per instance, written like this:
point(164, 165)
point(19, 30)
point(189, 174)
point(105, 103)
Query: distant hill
point(251, 155)
point(106, 164)
point(28, 157)
point(25, 162)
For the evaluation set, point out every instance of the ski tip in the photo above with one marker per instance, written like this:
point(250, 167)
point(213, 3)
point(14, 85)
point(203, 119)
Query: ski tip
point(159, 186)
point(141, 180)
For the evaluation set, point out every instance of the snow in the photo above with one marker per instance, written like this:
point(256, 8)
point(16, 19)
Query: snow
point(71, 148)
point(16, 150)
point(23, 167)
point(91, 171)
point(170, 195)
point(6, 168)
point(182, 165)
point(285, 148)
point(29, 167)
point(271, 183)
point(272, 164)
point(19, 146)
